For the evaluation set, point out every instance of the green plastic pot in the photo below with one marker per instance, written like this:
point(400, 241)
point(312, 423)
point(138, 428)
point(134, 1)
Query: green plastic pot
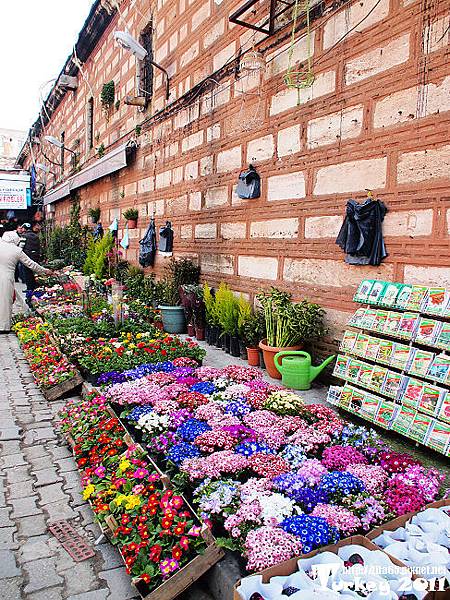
point(173, 318)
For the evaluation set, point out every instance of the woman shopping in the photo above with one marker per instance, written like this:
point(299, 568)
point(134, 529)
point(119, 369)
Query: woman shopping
point(10, 255)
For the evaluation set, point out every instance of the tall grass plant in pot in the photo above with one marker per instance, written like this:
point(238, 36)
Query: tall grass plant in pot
point(288, 326)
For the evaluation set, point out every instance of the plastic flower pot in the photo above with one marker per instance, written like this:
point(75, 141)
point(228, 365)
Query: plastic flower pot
point(269, 354)
point(226, 342)
point(253, 357)
point(200, 333)
point(173, 318)
point(234, 346)
point(219, 338)
point(191, 330)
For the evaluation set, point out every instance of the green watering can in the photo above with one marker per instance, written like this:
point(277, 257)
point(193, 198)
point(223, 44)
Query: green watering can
point(296, 369)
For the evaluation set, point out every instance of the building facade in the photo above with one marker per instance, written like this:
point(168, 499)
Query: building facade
point(376, 117)
point(11, 142)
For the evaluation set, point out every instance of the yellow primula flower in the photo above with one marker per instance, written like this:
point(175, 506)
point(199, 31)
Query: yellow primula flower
point(132, 502)
point(120, 499)
point(124, 465)
point(88, 491)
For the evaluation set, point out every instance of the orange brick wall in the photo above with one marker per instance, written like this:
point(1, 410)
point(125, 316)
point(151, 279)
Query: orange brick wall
point(376, 117)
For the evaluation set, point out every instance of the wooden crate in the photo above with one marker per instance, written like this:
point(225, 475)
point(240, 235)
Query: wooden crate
point(56, 391)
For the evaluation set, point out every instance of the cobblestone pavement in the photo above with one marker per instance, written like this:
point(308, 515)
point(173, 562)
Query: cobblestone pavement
point(39, 483)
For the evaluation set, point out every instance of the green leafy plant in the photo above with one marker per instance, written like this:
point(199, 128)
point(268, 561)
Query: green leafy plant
point(289, 324)
point(131, 214)
point(101, 150)
point(94, 213)
point(227, 309)
point(117, 104)
point(138, 129)
point(108, 94)
point(177, 273)
point(210, 306)
point(251, 331)
point(97, 256)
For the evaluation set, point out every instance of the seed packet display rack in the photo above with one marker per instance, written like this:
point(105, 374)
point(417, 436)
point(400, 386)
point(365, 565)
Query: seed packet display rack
point(395, 361)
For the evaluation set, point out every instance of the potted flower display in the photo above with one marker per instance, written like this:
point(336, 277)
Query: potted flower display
point(94, 214)
point(178, 273)
point(288, 325)
point(131, 216)
point(199, 313)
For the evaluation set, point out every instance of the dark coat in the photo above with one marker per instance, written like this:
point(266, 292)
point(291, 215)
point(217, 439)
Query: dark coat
point(32, 247)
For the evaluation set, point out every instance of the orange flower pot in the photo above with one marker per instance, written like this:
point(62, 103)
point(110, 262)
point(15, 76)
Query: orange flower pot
point(269, 354)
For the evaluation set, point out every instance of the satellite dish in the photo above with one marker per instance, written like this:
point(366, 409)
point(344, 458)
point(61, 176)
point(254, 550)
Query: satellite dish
point(127, 41)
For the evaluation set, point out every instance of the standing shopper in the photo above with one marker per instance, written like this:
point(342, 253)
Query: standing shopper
point(15, 237)
point(32, 249)
point(10, 255)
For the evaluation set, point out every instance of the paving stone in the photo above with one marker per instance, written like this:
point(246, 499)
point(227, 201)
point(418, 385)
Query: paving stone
point(42, 574)
point(9, 433)
point(58, 511)
point(30, 526)
point(43, 416)
point(8, 538)
point(36, 435)
point(10, 589)
point(18, 474)
point(92, 595)
point(13, 460)
point(8, 567)
point(36, 452)
point(51, 493)
point(80, 578)
point(21, 490)
point(5, 517)
point(119, 583)
point(35, 548)
point(46, 477)
point(25, 507)
point(110, 556)
point(67, 464)
point(40, 463)
point(2, 500)
point(60, 452)
point(55, 593)
point(12, 447)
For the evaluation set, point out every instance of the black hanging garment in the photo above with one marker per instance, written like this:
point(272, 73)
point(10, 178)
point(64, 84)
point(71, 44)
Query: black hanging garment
point(147, 249)
point(98, 232)
point(361, 235)
point(166, 238)
point(249, 184)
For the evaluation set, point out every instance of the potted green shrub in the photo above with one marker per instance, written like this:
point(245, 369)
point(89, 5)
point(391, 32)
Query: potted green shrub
point(94, 214)
point(177, 273)
point(288, 325)
point(212, 329)
point(228, 311)
point(251, 336)
point(131, 216)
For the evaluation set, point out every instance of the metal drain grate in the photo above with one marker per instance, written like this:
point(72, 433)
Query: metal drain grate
point(71, 540)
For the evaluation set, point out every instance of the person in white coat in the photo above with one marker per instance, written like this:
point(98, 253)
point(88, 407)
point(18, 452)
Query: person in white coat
point(10, 255)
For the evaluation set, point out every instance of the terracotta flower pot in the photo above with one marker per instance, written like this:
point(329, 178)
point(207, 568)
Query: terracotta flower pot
point(200, 333)
point(159, 325)
point(132, 223)
point(253, 357)
point(191, 330)
point(269, 353)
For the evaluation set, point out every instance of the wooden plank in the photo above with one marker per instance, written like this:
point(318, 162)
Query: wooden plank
point(56, 391)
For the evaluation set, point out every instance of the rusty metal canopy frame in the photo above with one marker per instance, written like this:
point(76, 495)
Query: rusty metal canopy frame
point(268, 27)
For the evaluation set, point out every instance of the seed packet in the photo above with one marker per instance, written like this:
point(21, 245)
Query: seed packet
point(360, 347)
point(377, 378)
point(340, 366)
point(372, 348)
point(440, 368)
point(362, 293)
point(438, 436)
point(412, 392)
point(368, 319)
point(392, 384)
point(391, 291)
point(421, 362)
point(379, 320)
point(407, 325)
point(416, 297)
point(403, 296)
point(369, 406)
point(353, 369)
point(357, 318)
point(392, 323)
point(348, 341)
point(400, 356)
point(334, 395)
point(419, 427)
point(385, 351)
point(357, 400)
point(431, 399)
point(385, 413)
point(444, 409)
point(427, 331)
point(365, 374)
point(346, 396)
point(436, 302)
point(403, 420)
point(443, 339)
point(376, 292)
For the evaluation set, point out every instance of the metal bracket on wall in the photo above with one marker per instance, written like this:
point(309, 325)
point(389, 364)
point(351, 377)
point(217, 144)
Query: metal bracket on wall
point(268, 26)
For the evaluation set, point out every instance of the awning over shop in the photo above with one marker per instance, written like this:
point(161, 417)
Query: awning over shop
point(111, 162)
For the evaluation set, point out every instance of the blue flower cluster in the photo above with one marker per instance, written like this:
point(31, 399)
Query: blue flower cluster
point(111, 377)
point(312, 531)
point(137, 412)
point(182, 451)
point(294, 455)
point(238, 408)
point(204, 387)
point(339, 484)
point(191, 429)
point(308, 498)
point(249, 448)
point(290, 484)
point(354, 435)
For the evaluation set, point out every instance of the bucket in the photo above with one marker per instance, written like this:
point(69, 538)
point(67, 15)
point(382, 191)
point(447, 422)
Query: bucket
point(173, 318)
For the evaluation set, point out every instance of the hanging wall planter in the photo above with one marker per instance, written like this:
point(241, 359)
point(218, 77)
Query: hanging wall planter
point(131, 215)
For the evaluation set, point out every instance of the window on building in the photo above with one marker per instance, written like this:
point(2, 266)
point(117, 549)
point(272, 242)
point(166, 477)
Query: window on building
point(146, 84)
point(90, 124)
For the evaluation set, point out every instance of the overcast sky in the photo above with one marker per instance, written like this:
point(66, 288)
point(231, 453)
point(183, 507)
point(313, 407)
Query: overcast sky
point(36, 37)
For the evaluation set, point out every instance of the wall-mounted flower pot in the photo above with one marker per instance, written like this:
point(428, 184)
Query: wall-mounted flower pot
point(253, 357)
point(173, 318)
point(269, 354)
point(191, 330)
point(200, 333)
point(132, 223)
